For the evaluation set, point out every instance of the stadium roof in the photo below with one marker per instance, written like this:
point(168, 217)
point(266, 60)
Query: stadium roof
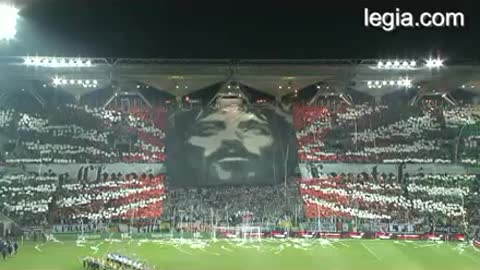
point(275, 77)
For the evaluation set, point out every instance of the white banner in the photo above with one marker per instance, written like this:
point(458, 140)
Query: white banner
point(93, 169)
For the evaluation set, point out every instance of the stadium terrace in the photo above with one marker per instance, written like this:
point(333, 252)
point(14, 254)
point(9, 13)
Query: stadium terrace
point(125, 163)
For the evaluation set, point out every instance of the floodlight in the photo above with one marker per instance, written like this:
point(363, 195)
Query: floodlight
point(57, 81)
point(8, 21)
point(37, 61)
point(406, 82)
point(434, 63)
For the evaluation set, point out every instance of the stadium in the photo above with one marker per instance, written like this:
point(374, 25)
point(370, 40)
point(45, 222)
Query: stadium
point(169, 163)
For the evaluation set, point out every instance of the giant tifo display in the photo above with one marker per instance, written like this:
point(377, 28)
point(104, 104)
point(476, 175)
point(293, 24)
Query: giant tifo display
point(114, 172)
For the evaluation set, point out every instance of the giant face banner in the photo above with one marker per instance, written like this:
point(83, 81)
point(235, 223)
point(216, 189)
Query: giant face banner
point(231, 145)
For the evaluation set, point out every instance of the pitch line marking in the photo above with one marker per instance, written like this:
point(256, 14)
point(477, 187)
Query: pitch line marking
point(345, 245)
point(37, 247)
point(371, 252)
point(227, 249)
point(183, 251)
point(428, 245)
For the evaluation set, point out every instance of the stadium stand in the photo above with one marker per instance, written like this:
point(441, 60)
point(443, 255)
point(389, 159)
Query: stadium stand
point(74, 134)
point(31, 199)
point(234, 204)
point(364, 197)
point(363, 133)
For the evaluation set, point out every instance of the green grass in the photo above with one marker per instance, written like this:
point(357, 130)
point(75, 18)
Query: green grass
point(290, 254)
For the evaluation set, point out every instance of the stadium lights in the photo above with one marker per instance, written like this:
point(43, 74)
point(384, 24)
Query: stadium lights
point(56, 81)
point(402, 82)
point(57, 62)
point(8, 22)
point(434, 63)
point(396, 64)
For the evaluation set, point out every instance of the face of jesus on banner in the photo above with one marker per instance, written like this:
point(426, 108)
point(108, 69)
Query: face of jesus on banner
point(236, 145)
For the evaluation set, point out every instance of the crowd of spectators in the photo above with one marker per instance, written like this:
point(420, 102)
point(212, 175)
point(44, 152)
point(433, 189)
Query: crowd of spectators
point(37, 200)
point(26, 198)
point(132, 197)
point(233, 204)
point(90, 205)
point(365, 133)
point(382, 197)
point(76, 134)
point(360, 133)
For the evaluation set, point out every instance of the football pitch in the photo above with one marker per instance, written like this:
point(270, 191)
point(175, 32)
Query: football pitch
point(267, 254)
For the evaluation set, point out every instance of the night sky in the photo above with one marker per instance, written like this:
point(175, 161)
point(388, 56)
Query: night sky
point(233, 29)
